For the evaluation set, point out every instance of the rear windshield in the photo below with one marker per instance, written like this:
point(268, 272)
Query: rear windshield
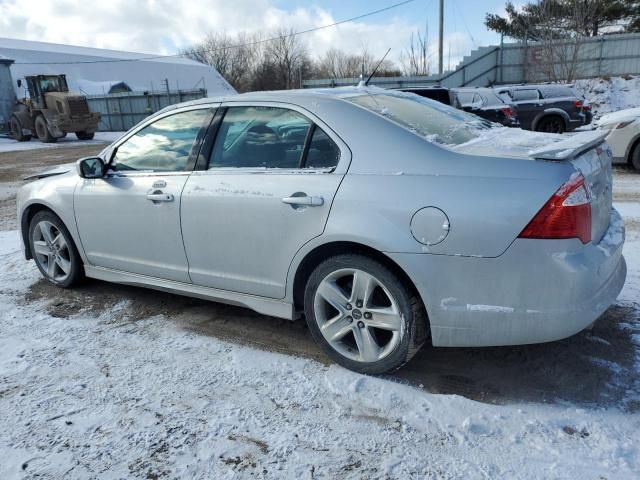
point(478, 97)
point(430, 119)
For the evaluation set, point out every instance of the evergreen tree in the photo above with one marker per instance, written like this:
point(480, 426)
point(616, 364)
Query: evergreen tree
point(566, 18)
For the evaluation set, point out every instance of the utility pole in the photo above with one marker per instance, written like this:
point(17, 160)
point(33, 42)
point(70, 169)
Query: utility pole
point(441, 38)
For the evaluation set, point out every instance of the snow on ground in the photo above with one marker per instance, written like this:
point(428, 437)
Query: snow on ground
point(110, 397)
point(10, 145)
point(611, 94)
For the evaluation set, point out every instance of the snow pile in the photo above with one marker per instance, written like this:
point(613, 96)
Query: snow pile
point(610, 94)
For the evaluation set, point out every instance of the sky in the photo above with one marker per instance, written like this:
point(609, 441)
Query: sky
point(166, 26)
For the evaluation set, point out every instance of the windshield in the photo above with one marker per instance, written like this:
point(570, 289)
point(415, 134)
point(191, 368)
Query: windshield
point(430, 119)
point(51, 84)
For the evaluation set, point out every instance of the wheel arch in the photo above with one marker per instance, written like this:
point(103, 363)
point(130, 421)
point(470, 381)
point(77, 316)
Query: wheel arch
point(633, 144)
point(25, 219)
point(321, 252)
point(551, 112)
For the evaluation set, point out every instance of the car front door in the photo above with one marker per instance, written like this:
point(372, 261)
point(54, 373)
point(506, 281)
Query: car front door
point(266, 191)
point(130, 219)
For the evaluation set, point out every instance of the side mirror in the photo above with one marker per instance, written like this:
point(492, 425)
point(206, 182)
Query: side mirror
point(19, 83)
point(91, 167)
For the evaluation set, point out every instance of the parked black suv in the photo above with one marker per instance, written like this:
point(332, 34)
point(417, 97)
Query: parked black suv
point(547, 107)
point(481, 101)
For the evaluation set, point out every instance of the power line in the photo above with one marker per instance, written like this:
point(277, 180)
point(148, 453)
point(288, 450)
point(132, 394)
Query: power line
point(257, 42)
point(464, 22)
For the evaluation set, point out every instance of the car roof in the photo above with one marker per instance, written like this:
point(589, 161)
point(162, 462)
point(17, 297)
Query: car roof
point(309, 98)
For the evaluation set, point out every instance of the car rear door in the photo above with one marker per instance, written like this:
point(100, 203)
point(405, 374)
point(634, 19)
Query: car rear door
point(265, 190)
point(130, 220)
point(528, 104)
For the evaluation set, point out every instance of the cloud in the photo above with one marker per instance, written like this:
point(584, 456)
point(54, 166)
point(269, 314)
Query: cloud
point(165, 26)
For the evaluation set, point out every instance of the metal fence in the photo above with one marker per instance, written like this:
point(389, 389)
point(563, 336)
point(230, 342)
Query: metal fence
point(612, 55)
point(121, 111)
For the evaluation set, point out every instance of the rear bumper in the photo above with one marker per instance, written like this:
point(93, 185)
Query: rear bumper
point(537, 291)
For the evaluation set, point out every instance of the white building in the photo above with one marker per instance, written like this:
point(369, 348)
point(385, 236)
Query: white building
point(93, 70)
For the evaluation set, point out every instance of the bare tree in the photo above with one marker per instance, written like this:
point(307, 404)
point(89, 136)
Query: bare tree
point(556, 55)
point(416, 59)
point(337, 64)
point(287, 52)
point(234, 57)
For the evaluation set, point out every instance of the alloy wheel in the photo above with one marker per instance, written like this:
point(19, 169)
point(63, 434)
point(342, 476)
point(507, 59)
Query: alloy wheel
point(51, 251)
point(357, 315)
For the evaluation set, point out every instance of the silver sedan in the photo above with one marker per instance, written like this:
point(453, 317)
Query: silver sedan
point(385, 219)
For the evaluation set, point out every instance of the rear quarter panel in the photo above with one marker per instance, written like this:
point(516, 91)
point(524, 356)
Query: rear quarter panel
point(394, 173)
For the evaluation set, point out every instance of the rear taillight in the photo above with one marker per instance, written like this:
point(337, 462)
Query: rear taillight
point(578, 104)
point(567, 214)
point(508, 112)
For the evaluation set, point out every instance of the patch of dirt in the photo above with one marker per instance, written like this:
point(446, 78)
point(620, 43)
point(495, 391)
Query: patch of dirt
point(14, 166)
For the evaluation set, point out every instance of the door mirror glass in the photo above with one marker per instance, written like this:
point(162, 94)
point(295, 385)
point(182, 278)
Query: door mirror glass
point(91, 167)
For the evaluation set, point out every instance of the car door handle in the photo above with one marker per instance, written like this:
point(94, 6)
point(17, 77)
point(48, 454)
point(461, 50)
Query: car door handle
point(306, 200)
point(160, 197)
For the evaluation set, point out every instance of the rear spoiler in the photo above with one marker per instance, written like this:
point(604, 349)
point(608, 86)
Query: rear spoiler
point(571, 147)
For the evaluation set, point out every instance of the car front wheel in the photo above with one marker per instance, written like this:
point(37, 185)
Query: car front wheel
point(364, 317)
point(635, 157)
point(53, 250)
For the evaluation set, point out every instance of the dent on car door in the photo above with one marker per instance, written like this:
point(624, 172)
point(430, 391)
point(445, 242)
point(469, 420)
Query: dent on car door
point(130, 220)
point(266, 191)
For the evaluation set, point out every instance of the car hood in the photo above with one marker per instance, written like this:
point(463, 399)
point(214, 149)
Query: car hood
point(517, 143)
point(59, 170)
point(620, 116)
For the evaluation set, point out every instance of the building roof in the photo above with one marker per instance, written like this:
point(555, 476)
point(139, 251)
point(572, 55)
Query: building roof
point(90, 69)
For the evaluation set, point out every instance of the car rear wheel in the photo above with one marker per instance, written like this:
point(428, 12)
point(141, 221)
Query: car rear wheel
point(42, 130)
point(53, 250)
point(16, 130)
point(85, 135)
point(551, 124)
point(363, 316)
point(634, 158)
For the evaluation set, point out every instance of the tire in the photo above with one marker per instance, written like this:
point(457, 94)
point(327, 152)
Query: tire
point(551, 124)
point(634, 157)
point(85, 135)
point(42, 130)
point(55, 253)
point(374, 337)
point(16, 130)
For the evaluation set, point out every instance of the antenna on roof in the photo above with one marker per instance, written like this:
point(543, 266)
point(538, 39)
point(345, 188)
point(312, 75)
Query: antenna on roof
point(366, 82)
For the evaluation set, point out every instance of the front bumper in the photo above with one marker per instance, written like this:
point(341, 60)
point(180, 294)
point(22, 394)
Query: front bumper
point(537, 291)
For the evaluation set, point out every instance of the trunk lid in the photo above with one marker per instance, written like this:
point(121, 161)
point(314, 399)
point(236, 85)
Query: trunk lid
point(586, 151)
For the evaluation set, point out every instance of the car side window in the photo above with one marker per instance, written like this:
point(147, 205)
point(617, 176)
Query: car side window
point(323, 152)
point(260, 137)
point(163, 146)
point(523, 95)
point(465, 99)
